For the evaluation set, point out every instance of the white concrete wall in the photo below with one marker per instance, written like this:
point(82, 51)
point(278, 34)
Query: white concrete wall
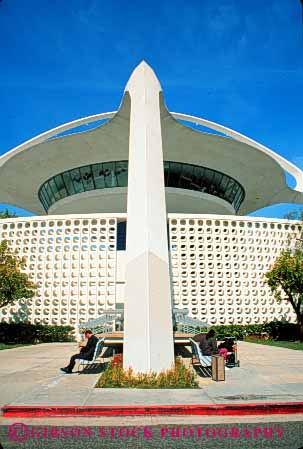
point(220, 279)
point(218, 266)
point(120, 276)
point(72, 259)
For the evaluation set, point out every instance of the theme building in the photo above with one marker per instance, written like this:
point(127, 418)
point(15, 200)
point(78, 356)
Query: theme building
point(145, 211)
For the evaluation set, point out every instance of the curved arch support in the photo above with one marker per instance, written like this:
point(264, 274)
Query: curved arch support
point(286, 165)
point(55, 131)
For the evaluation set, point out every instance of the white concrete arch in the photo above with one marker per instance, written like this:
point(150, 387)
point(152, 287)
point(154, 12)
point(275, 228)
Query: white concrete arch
point(286, 165)
point(54, 132)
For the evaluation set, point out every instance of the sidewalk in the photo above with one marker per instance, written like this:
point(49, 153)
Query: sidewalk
point(30, 376)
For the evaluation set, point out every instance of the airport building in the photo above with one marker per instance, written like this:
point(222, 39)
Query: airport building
point(146, 211)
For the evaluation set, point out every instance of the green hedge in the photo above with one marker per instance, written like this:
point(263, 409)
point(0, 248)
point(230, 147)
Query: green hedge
point(278, 330)
point(12, 333)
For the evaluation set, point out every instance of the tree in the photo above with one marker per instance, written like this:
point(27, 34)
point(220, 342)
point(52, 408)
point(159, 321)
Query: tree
point(14, 283)
point(294, 215)
point(285, 280)
point(7, 214)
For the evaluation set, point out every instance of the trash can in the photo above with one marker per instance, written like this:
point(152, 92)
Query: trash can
point(218, 368)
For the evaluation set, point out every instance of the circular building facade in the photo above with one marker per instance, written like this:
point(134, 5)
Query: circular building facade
point(83, 238)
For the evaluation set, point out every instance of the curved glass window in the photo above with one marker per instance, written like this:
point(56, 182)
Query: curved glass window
point(115, 174)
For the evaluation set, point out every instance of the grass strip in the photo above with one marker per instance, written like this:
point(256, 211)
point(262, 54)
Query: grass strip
point(281, 344)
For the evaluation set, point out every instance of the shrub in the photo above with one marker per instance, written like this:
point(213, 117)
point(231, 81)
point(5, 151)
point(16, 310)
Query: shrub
point(16, 333)
point(49, 334)
point(116, 377)
point(34, 333)
point(276, 329)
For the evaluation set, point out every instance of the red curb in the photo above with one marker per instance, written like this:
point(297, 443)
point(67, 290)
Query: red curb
point(28, 411)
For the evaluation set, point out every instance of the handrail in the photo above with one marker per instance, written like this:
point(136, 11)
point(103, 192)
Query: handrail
point(185, 323)
point(106, 322)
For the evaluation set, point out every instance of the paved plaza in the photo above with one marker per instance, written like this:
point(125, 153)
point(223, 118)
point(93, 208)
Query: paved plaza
point(30, 375)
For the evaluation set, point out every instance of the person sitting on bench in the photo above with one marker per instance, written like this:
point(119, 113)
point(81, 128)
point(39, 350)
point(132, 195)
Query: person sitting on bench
point(225, 347)
point(86, 353)
point(208, 343)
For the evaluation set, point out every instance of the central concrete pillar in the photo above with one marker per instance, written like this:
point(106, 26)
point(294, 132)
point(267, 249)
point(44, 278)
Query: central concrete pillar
point(148, 332)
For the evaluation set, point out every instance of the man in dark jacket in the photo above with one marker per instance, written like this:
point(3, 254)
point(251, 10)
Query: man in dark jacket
point(208, 343)
point(86, 353)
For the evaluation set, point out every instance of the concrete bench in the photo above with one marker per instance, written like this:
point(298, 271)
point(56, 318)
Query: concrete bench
point(198, 357)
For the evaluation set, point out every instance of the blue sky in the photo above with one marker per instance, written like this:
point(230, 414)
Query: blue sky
point(236, 62)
